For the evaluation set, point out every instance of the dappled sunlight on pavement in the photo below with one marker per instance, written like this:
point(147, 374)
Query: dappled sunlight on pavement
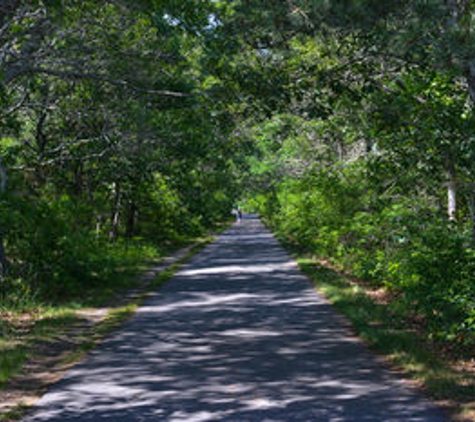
point(239, 334)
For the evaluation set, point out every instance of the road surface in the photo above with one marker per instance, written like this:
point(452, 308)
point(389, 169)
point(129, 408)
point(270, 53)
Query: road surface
point(239, 334)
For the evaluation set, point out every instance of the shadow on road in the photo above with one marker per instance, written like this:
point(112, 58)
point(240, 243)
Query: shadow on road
point(237, 335)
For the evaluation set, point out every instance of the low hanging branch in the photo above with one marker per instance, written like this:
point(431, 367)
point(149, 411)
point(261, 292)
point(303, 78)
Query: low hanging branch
point(13, 109)
point(64, 74)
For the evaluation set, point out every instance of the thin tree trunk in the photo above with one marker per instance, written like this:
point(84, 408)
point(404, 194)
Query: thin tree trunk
point(451, 191)
point(131, 220)
point(3, 254)
point(471, 208)
point(78, 180)
point(3, 261)
point(115, 217)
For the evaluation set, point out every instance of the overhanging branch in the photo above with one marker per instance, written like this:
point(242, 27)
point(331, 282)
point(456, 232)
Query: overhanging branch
point(94, 76)
point(15, 107)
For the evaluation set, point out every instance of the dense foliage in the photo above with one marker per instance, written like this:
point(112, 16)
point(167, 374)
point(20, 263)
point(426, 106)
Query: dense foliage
point(106, 139)
point(348, 124)
point(362, 116)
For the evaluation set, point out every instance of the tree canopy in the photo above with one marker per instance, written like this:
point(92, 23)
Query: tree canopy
point(348, 124)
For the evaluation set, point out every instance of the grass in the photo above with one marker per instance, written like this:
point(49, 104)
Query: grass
point(12, 358)
point(15, 414)
point(31, 327)
point(20, 333)
point(91, 337)
point(387, 330)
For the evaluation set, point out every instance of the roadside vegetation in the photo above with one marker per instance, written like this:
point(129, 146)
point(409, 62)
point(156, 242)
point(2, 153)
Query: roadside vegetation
point(39, 342)
point(443, 371)
point(364, 146)
point(129, 127)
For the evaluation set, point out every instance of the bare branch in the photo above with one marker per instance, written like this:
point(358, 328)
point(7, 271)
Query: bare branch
point(15, 107)
point(59, 160)
point(25, 70)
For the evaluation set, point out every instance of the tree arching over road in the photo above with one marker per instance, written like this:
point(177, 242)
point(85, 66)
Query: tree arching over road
point(348, 124)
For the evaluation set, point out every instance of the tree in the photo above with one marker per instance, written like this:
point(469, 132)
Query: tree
point(104, 136)
point(360, 116)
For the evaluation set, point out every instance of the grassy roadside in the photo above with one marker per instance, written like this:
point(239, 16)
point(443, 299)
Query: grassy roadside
point(447, 377)
point(37, 345)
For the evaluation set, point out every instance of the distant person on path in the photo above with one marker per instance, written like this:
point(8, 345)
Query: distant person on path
point(239, 214)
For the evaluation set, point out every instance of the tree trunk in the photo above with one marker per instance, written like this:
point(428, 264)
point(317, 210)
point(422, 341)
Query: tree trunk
point(115, 217)
point(131, 220)
point(451, 199)
point(78, 179)
point(471, 208)
point(3, 254)
point(3, 261)
point(451, 191)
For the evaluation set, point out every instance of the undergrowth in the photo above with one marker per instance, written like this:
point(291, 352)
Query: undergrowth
point(389, 331)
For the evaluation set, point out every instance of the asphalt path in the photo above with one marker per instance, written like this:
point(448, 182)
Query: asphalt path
point(239, 334)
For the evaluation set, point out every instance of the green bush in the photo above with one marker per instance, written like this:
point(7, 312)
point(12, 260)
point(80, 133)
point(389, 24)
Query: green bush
point(422, 255)
point(54, 255)
point(414, 251)
point(435, 268)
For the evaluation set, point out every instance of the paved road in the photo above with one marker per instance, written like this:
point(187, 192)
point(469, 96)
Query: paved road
point(239, 334)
